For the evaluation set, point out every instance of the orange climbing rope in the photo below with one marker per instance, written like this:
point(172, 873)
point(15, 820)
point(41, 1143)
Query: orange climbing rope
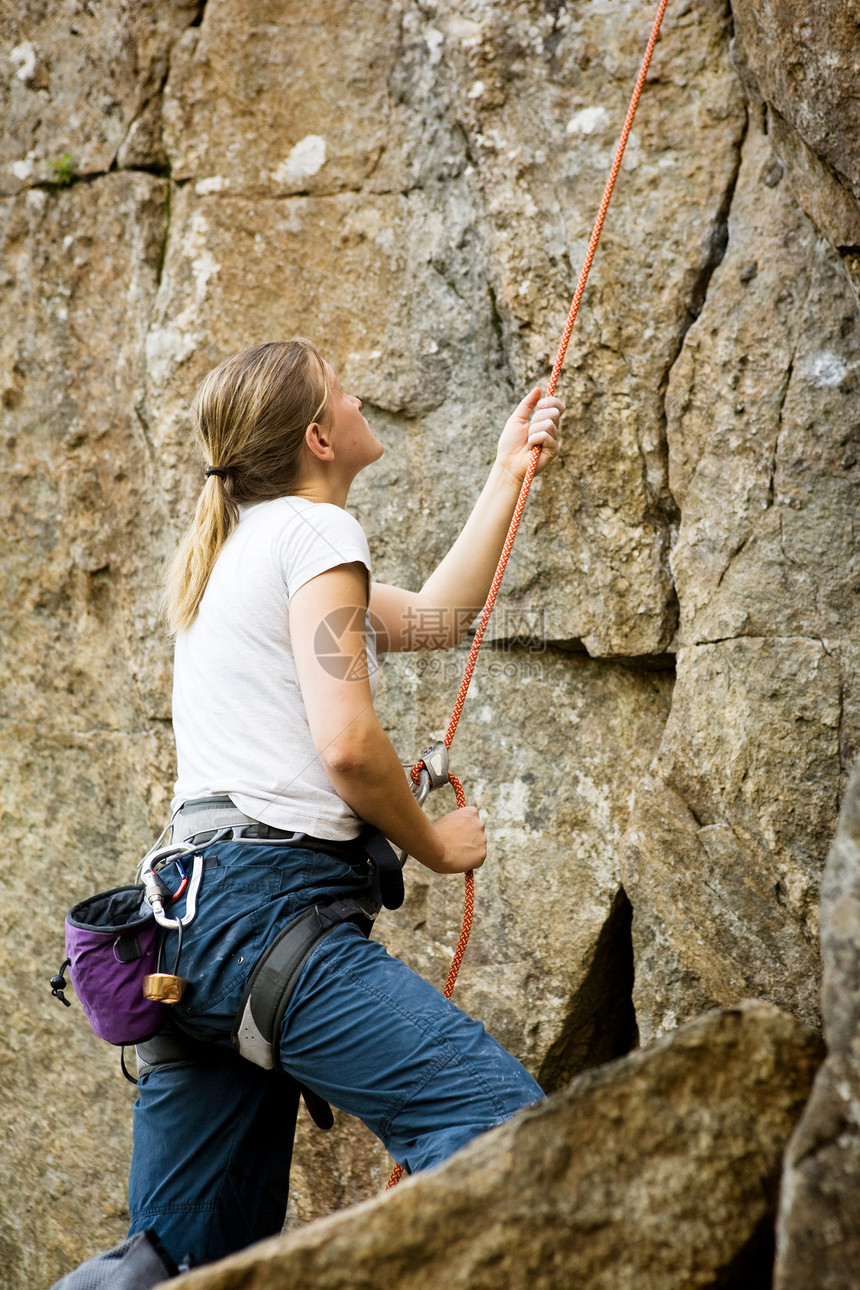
point(524, 492)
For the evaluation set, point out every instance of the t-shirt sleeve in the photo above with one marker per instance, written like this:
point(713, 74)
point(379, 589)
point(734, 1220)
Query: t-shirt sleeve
point(320, 537)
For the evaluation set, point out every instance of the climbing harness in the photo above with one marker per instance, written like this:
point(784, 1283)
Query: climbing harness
point(114, 948)
point(202, 821)
point(421, 768)
point(172, 1048)
point(276, 974)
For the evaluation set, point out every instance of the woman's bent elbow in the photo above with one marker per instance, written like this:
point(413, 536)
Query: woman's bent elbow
point(346, 758)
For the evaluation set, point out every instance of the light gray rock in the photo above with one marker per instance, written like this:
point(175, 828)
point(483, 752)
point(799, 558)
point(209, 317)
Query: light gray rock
point(274, 100)
point(827, 201)
point(658, 1171)
point(763, 459)
point(724, 851)
point(802, 60)
point(803, 56)
point(733, 821)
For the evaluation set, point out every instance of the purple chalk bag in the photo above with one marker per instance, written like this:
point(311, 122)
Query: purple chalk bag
point(112, 944)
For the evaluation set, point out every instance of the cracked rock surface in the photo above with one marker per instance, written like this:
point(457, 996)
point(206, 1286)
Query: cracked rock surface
point(661, 730)
point(84, 81)
point(735, 815)
point(818, 1239)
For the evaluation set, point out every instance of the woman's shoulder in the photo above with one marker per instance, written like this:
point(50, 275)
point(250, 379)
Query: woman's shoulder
point(306, 537)
point(280, 512)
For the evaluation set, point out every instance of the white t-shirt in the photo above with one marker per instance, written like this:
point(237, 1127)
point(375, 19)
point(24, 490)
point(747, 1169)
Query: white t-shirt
point(238, 714)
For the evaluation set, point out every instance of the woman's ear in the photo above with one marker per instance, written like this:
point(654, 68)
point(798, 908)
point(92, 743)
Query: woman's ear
point(318, 441)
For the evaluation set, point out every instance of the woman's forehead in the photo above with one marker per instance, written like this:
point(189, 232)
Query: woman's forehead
point(333, 379)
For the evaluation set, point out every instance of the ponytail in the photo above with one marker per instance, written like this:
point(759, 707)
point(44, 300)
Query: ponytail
point(215, 517)
point(250, 416)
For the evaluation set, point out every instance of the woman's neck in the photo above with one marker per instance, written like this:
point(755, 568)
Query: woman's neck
point(322, 488)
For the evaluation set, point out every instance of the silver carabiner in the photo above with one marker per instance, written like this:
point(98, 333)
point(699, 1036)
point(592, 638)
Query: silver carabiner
point(152, 890)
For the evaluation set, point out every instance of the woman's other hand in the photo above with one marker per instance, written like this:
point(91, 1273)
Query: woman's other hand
point(534, 422)
point(463, 839)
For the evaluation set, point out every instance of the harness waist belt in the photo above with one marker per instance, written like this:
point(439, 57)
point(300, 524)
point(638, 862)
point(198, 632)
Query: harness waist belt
point(213, 814)
point(202, 819)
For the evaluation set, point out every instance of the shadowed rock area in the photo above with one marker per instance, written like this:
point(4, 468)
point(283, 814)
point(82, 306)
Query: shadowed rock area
point(659, 734)
point(657, 1171)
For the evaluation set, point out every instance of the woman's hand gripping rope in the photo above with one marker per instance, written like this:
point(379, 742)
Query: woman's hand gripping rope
point(534, 423)
point(461, 833)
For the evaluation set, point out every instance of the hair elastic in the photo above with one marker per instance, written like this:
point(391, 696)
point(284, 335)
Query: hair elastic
point(217, 470)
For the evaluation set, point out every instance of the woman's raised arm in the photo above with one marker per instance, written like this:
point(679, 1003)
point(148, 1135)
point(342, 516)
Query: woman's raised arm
point(437, 616)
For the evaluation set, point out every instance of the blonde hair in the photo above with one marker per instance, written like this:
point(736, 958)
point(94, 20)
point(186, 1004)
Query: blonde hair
point(250, 416)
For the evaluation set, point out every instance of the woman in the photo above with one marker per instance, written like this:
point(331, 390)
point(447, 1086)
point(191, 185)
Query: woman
point(277, 736)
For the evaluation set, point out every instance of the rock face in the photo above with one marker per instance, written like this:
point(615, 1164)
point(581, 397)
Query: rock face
point(660, 734)
point(81, 89)
point(719, 867)
point(83, 747)
point(819, 1234)
point(656, 1172)
point(734, 817)
point(803, 60)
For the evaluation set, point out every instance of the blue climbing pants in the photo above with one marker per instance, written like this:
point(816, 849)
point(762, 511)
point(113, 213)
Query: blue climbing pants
point(212, 1140)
